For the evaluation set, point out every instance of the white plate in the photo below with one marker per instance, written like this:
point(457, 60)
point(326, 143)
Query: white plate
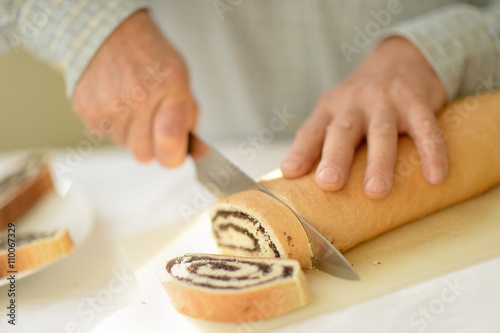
point(72, 210)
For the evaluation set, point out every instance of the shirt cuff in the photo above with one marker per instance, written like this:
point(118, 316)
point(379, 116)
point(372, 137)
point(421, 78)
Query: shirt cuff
point(73, 32)
point(460, 43)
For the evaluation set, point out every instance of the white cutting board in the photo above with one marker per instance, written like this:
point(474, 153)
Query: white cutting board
point(448, 240)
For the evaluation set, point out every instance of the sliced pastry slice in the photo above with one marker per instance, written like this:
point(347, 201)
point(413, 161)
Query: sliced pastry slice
point(30, 250)
point(22, 185)
point(233, 289)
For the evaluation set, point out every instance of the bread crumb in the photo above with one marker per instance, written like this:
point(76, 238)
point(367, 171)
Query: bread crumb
point(377, 262)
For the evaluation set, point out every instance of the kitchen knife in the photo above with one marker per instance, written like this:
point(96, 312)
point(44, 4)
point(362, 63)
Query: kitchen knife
point(222, 177)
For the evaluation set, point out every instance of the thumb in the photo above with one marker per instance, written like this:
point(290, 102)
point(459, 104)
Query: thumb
point(174, 118)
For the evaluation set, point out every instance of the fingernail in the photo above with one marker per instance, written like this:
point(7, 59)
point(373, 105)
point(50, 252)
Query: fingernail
point(291, 164)
point(435, 176)
point(375, 185)
point(329, 175)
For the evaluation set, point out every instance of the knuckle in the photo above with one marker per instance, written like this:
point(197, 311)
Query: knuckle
point(405, 92)
point(343, 123)
point(356, 88)
point(118, 139)
point(169, 131)
point(384, 130)
point(336, 129)
point(332, 128)
point(426, 125)
point(176, 76)
point(296, 155)
point(381, 162)
point(171, 121)
point(416, 105)
point(376, 90)
point(92, 114)
point(335, 157)
point(92, 119)
point(425, 128)
point(310, 132)
point(428, 146)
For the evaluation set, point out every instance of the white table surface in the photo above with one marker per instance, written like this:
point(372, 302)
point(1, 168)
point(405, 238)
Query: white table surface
point(137, 215)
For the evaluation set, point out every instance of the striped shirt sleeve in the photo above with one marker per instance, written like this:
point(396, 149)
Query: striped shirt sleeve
point(462, 44)
point(63, 33)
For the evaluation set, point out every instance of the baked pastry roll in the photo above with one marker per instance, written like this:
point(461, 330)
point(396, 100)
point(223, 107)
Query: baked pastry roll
point(252, 223)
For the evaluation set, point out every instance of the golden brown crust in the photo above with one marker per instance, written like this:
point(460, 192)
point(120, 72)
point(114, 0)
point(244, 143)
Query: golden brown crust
point(471, 129)
point(256, 303)
point(237, 307)
point(38, 252)
point(26, 194)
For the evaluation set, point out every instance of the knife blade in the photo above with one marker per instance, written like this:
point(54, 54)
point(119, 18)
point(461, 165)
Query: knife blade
point(222, 177)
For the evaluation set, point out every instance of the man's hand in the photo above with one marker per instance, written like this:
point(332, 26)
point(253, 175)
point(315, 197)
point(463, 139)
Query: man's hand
point(136, 88)
point(393, 91)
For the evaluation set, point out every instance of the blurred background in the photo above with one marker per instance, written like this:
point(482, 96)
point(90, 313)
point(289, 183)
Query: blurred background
point(35, 112)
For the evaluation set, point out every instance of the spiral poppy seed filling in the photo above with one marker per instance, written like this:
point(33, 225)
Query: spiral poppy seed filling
point(218, 273)
point(231, 230)
point(24, 238)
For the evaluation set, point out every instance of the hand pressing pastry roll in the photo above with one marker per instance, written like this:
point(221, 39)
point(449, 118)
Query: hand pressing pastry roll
point(254, 224)
point(233, 289)
point(23, 185)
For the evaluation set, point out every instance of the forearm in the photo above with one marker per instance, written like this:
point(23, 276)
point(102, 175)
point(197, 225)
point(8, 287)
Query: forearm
point(63, 33)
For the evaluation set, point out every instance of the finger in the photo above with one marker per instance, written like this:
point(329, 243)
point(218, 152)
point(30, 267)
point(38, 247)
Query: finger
point(342, 136)
point(171, 125)
point(90, 101)
point(120, 135)
point(99, 126)
point(139, 135)
point(121, 114)
point(424, 130)
point(306, 146)
point(89, 115)
point(382, 140)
